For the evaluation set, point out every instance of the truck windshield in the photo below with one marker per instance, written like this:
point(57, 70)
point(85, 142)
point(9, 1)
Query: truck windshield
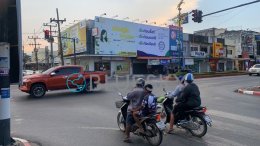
point(48, 71)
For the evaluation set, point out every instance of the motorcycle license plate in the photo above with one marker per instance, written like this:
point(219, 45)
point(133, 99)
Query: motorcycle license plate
point(161, 125)
point(207, 119)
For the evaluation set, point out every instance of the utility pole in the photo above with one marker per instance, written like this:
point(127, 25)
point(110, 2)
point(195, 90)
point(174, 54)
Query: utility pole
point(23, 59)
point(35, 38)
point(59, 35)
point(74, 43)
point(51, 40)
point(179, 34)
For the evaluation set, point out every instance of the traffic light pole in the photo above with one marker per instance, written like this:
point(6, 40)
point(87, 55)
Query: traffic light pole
point(5, 136)
point(51, 42)
point(179, 36)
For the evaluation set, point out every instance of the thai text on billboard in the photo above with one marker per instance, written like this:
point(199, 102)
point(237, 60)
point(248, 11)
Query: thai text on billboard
point(122, 38)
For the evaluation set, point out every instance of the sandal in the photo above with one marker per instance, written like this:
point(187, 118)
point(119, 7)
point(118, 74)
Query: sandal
point(170, 131)
point(127, 140)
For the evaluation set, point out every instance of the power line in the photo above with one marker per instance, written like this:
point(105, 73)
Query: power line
point(231, 8)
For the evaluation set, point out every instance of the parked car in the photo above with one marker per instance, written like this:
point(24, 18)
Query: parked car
point(56, 78)
point(254, 70)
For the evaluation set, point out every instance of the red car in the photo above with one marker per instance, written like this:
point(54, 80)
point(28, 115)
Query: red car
point(61, 77)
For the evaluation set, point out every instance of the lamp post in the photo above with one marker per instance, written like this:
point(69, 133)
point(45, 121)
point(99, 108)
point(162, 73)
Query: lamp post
point(179, 35)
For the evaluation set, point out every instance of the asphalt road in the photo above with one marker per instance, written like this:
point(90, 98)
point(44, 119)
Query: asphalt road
point(70, 119)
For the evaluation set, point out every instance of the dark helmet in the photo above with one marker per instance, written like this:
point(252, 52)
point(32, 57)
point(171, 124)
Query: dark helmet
point(148, 87)
point(181, 79)
point(189, 77)
point(140, 82)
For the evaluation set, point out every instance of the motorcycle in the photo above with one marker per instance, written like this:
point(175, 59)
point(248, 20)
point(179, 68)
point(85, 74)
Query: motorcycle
point(196, 121)
point(152, 133)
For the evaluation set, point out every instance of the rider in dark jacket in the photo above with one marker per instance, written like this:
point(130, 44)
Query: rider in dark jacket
point(189, 99)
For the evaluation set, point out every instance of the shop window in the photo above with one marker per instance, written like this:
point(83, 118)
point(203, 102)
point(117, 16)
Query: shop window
point(229, 52)
point(194, 48)
point(204, 49)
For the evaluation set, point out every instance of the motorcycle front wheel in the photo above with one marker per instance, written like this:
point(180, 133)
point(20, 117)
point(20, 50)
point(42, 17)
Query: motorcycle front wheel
point(121, 122)
point(201, 126)
point(154, 134)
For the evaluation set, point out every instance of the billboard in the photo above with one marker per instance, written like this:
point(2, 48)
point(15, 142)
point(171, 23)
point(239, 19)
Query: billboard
point(175, 35)
point(218, 50)
point(122, 38)
point(77, 31)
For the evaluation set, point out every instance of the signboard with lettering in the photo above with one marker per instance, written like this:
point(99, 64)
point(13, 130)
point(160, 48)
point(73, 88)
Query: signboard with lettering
point(123, 38)
point(218, 50)
point(198, 54)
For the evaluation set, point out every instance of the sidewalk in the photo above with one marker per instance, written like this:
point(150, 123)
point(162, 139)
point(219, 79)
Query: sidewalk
point(250, 91)
point(23, 142)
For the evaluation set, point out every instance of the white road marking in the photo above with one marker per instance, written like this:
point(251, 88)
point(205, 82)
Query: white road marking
point(100, 128)
point(236, 117)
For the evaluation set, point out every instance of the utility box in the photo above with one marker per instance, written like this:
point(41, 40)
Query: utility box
point(4, 56)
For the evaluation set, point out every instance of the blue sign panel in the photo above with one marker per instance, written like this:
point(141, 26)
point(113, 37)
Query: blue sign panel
point(257, 37)
point(5, 93)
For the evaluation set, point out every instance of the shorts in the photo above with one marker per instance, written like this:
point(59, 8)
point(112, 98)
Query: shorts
point(180, 107)
point(130, 119)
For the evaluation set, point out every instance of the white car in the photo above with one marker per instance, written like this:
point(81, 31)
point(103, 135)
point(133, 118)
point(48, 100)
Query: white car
point(254, 70)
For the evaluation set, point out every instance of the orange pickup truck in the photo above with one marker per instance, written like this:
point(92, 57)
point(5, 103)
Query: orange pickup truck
point(71, 77)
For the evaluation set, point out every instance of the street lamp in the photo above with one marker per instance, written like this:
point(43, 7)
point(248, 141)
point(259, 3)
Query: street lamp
point(179, 38)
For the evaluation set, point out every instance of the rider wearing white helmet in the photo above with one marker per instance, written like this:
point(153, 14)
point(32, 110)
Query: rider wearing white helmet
point(189, 99)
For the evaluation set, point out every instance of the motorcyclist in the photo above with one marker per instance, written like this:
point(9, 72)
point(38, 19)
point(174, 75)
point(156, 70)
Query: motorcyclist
point(135, 97)
point(176, 93)
point(148, 106)
point(189, 99)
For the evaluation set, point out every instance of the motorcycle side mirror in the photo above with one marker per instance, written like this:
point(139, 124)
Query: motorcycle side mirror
point(120, 94)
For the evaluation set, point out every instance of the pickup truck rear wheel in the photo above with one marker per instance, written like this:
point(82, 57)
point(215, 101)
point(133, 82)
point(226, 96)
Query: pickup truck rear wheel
point(37, 90)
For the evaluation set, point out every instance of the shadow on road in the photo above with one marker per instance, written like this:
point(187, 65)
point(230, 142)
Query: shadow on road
point(63, 94)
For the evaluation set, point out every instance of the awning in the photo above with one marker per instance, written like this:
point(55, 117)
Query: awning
point(154, 58)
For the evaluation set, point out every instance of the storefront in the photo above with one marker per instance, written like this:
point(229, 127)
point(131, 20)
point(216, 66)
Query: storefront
point(229, 65)
point(150, 65)
point(213, 64)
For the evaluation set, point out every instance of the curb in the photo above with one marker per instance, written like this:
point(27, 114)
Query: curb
point(23, 141)
point(243, 91)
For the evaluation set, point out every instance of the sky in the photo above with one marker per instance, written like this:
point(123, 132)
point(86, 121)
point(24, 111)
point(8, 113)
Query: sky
point(37, 12)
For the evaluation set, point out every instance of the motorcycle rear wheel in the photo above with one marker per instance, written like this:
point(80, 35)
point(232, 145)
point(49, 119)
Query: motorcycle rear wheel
point(202, 126)
point(154, 134)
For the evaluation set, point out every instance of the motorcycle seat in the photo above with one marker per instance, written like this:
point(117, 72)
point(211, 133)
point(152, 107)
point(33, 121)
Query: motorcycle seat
point(198, 108)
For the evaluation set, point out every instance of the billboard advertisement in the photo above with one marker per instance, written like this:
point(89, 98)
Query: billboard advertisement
point(77, 31)
point(218, 50)
point(175, 35)
point(122, 38)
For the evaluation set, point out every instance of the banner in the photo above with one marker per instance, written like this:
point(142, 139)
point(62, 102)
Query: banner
point(122, 38)
point(218, 50)
point(176, 35)
point(77, 31)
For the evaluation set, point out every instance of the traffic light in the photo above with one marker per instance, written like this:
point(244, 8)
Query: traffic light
point(46, 34)
point(195, 15)
point(199, 16)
